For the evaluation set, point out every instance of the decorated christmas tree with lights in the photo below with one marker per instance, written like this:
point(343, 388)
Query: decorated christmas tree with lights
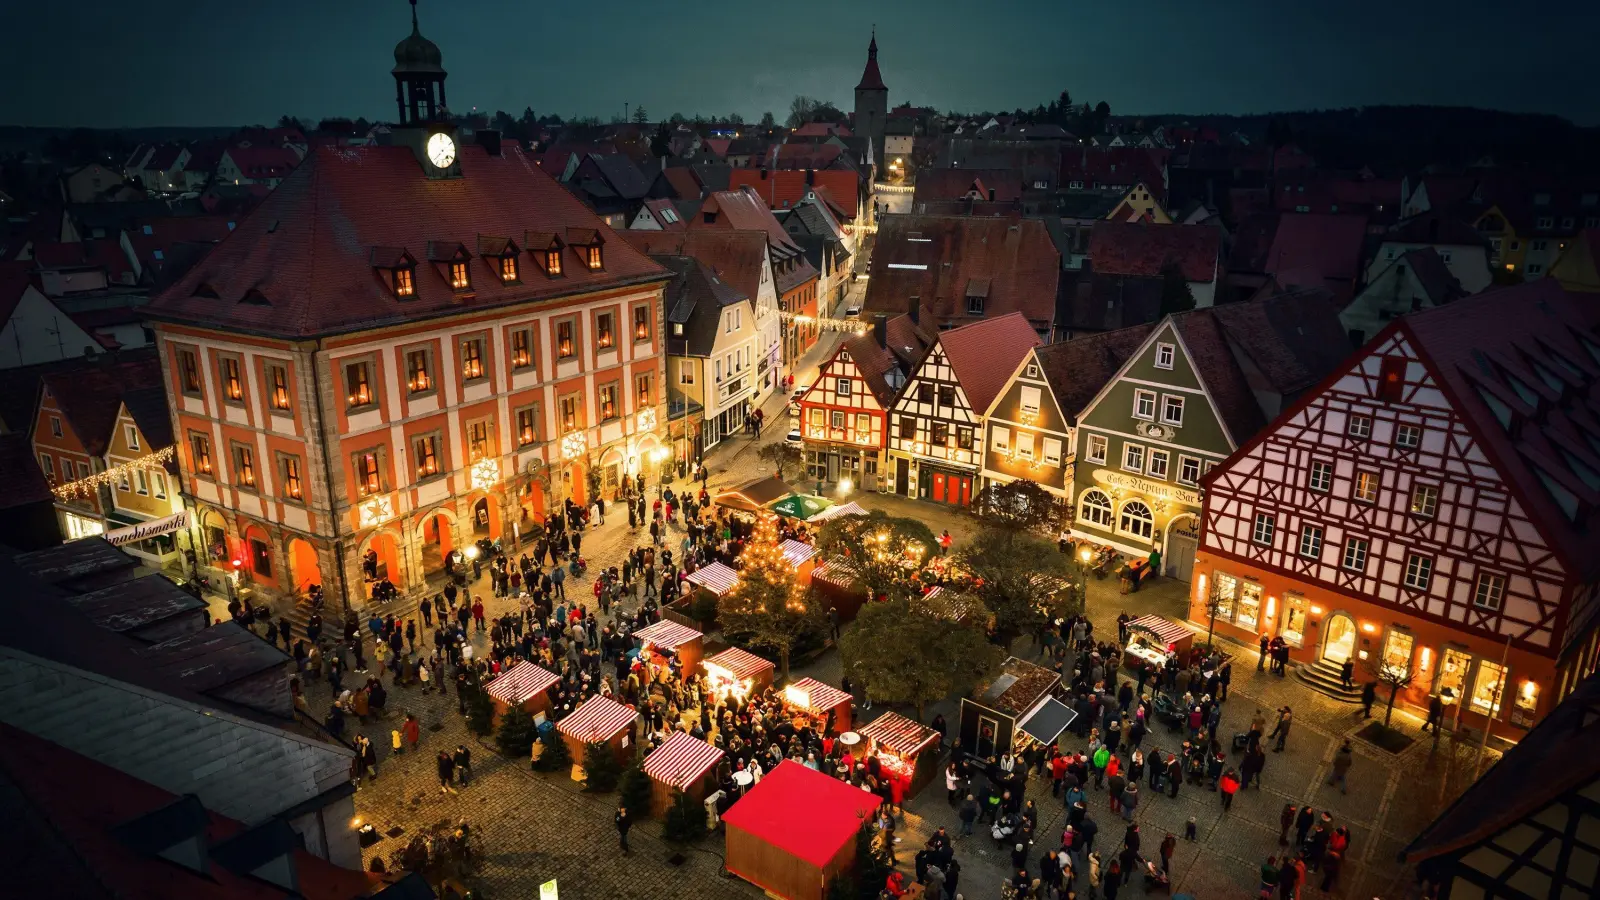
point(767, 605)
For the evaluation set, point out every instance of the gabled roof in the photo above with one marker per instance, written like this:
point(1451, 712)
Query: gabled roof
point(1099, 302)
point(1329, 245)
point(906, 344)
point(24, 483)
point(1433, 275)
point(955, 184)
point(148, 408)
point(781, 189)
point(1115, 167)
point(745, 210)
point(733, 256)
point(1294, 338)
point(936, 258)
point(1208, 349)
point(695, 299)
point(90, 397)
point(984, 354)
point(15, 279)
point(685, 183)
point(305, 250)
point(619, 172)
point(1145, 249)
point(658, 211)
point(1077, 369)
point(1435, 228)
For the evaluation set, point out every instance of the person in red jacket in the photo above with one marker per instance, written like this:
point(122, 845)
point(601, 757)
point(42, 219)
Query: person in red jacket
point(895, 884)
point(1227, 787)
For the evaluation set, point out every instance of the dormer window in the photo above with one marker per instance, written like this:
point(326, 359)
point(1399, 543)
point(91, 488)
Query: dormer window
point(592, 258)
point(552, 262)
point(404, 282)
point(508, 269)
point(459, 279)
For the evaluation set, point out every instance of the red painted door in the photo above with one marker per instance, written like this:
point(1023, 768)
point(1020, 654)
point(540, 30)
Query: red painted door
point(938, 486)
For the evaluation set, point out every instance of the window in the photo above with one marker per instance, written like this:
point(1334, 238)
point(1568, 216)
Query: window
point(160, 482)
point(924, 392)
point(641, 323)
point(122, 482)
point(1164, 356)
point(1000, 439)
point(1188, 470)
point(199, 452)
point(131, 432)
point(419, 371)
point(1487, 688)
point(404, 284)
point(1419, 571)
point(1321, 477)
point(508, 268)
point(1136, 520)
point(368, 481)
point(1052, 451)
point(1249, 612)
point(841, 388)
point(1391, 380)
point(189, 372)
point(864, 427)
point(569, 413)
point(472, 360)
point(1490, 591)
point(908, 428)
point(603, 338)
point(1424, 500)
point(289, 475)
point(592, 257)
point(1144, 405)
point(836, 420)
point(244, 466)
point(609, 407)
point(1095, 509)
point(1359, 427)
point(521, 349)
point(1096, 452)
point(1397, 647)
point(69, 473)
point(459, 279)
point(527, 426)
point(643, 390)
point(1366, 487)
point(1133, 457)
point(686, 373)
point(141, 482)
point(1355, 554)
point(232, 384)
point(939, 434)
point(564, 348)
point(964, 437)
point(1030, 400)
point(1025, 444)
point(1157, 466)
point(55, 426)
point(947, 396)
point(552, 262)
point(278, 374)
point(1311, 541)
point(425, 453)
point(1225, 591)
point(1172, 410)
point(1533, 268)
point(1265, 525)
point(358, 384)
point(974, 306)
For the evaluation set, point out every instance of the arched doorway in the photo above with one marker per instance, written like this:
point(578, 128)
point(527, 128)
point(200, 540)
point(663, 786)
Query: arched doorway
point(1339, 638)
point(437, 541)
point(486, 517)
point(531, 500)
point(1183, 540)
point(381, 560)
point(256, 555)
point(303, 566)
point(611, 471)
point(575, 480)
point(214, 532)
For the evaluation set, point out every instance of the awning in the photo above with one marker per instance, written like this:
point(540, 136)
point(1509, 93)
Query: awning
point(848, 509)
point(755, 496)
point(738, 664)
point(801, 506)
point(522, 682)
point(1047, 721)
point(667, 635)
point(716, 578)
point(1161, 628)
point(148, 529)
point(836, 572)
point(598, 720)
point(681, 760)
point(898, 734)
point(796, 553)
point(811, 694)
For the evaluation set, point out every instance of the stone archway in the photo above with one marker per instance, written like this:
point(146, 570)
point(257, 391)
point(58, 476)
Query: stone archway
point(484, 510)
point(256, 555)
point(436, 535)
point(305, 569)
point(383, 561)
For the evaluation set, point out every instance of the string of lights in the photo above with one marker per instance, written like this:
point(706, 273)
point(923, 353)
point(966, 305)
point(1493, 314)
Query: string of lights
point(112, 476)
point(827, 323)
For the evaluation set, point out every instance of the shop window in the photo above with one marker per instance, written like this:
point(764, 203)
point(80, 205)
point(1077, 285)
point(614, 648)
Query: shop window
point(1527, 705)
point(1397, 649)
point(1487, 686)
point(1225, 590)
point(1249, 612)
point(1452, 677)
point(1294, 620)
point(1095, 509)
point(1136, 520)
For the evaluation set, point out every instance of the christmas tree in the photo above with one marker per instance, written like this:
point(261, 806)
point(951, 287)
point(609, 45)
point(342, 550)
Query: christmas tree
point(480, 711)
point(517, 733)
point(633, 791)
point(686, 820)
point(556, 757)
point(600, 769)
point(767, 604)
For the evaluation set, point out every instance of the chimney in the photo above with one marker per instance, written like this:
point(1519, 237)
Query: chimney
point(1433, 230)
point(916, 311)
point(489, 140)
point(880, 329)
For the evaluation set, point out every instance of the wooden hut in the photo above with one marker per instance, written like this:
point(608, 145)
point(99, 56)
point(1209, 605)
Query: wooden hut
point(907, 750)
point(600, 720)
point(991, 716)
point(754, 496)
point(802, 557)
point(814, 700)
point(683, 763)
point(669, 638)
point(1151, 639)
point(525, 684)
point(738, 672)
point(834, 581)
point(716, 578)
point(795, 832)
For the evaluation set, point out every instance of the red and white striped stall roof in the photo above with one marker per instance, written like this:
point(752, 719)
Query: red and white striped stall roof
point(796, 553)
point(667, 635)
point(740, 664)
point(599, 719)
point(1162, 628)
point(933, 592)
point(823, 697)
point(522, 682)
point(716, 578)
point(836, 572)
point(681, 761)
point(898, 734)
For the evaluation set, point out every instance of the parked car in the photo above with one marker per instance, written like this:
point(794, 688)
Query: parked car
point(854, 312)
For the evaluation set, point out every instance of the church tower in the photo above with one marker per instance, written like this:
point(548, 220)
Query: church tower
point(418, 78)
point(872, 102)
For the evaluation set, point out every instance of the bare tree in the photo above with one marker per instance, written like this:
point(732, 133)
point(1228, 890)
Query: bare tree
point(801, 109)
point(1396, 677)
point(1214, 607)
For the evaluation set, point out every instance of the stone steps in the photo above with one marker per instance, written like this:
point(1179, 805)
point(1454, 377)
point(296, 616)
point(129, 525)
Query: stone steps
point(1323, 677)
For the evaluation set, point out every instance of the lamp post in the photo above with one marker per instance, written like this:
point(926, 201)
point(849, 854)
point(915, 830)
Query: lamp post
point(1084, 556)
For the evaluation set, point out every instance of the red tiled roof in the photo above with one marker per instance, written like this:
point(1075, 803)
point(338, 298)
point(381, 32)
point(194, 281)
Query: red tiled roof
point(1214, 360)
point(781, 189)
point(24, 482)
point(806, 156)
point(1329, 245)
point(745, 210)
point(307, 248)
point(937, 258)
point(684, 182)
point(984, 354)
point(1123, 167)
point(1079, 368)
point(658, 210)
point(734, 256)
point(106, 254)
point(955, 184)
point(90, 397)
point(1142, 248)
point(263, 162)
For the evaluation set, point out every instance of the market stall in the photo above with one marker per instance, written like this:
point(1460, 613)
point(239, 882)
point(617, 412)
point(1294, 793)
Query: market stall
point(847, 509)
point(990, 717)
point(739, 673)
point(958, 607)
point(1151, 639)
point(907, 750)
point(526, 685)
point(802, 557)
point(834, 580)
point(821, 704)
point(665, 641)
point(600, 720)
point(754, 496)
point(795, 832)
point(684, 763)
point(804, 507)
point(716, 578)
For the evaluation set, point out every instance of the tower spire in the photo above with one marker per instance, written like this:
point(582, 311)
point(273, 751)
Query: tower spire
point(872, 48)
point(414, 29)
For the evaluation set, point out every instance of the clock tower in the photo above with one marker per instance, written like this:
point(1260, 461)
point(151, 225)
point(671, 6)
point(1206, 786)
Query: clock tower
point(424, 123)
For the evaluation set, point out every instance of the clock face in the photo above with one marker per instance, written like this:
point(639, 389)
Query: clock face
point(441, 150)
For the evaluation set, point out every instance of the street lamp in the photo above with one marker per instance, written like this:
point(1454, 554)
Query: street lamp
point(1084, 556)
point(845, 486)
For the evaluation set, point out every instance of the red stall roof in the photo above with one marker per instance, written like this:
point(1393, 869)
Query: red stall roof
point(822, 696)
point(898, 733)
point(681, 760)
point(1164, 629)
point(667, 635)
point(802, 812)
point(521, 682)
point(600, 719)
point(741, 664)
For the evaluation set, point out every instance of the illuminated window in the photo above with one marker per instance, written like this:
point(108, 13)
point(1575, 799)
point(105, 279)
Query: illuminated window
point(478, 440)
point(1527, 701)
point(939, 434)
point(358, 384)
point(368, 480)
point(642, 390)
point(1248, 615)
point(232, 385)
point(592, 256)
point(1424, 499)
point(1366, 487)
point(458, 276)
point(564, 346)
point(1294, 619)
point(289, 472)
point(641, 323)
point(425, 450)
point(569, 413)
point(1095, 509)
point(527, 426)
point(602, 331)
point(963, 437)
point(472, 359)
point(521, 349)
point(404, 285)
point(244, 466)
point(552, 262)
point(1225, 590)
point(1397, 649)
point(508, 268)
point(1488, 688)
point(280, 386)
point(200, 451)
point(1136, 520)
point(1490, 591)
point(419, 373)
point(189, 367)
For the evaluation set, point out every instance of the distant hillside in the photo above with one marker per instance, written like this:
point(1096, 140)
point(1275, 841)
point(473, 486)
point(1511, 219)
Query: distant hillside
point(14, 138)
point(1400, 139)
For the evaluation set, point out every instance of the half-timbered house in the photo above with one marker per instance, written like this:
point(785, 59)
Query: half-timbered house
point(843, 417)
point(935, 425)
point(1428, 511)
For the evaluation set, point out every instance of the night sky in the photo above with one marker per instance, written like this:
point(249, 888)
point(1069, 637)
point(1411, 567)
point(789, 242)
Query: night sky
point(189, 62)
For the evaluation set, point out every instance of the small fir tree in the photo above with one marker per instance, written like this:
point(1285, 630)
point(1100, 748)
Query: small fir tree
point(556, 757)
point(633, 791)
point(517, 733)
point(686, 820)
point(766, 602)
point(480, 712)
point(601, 772)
